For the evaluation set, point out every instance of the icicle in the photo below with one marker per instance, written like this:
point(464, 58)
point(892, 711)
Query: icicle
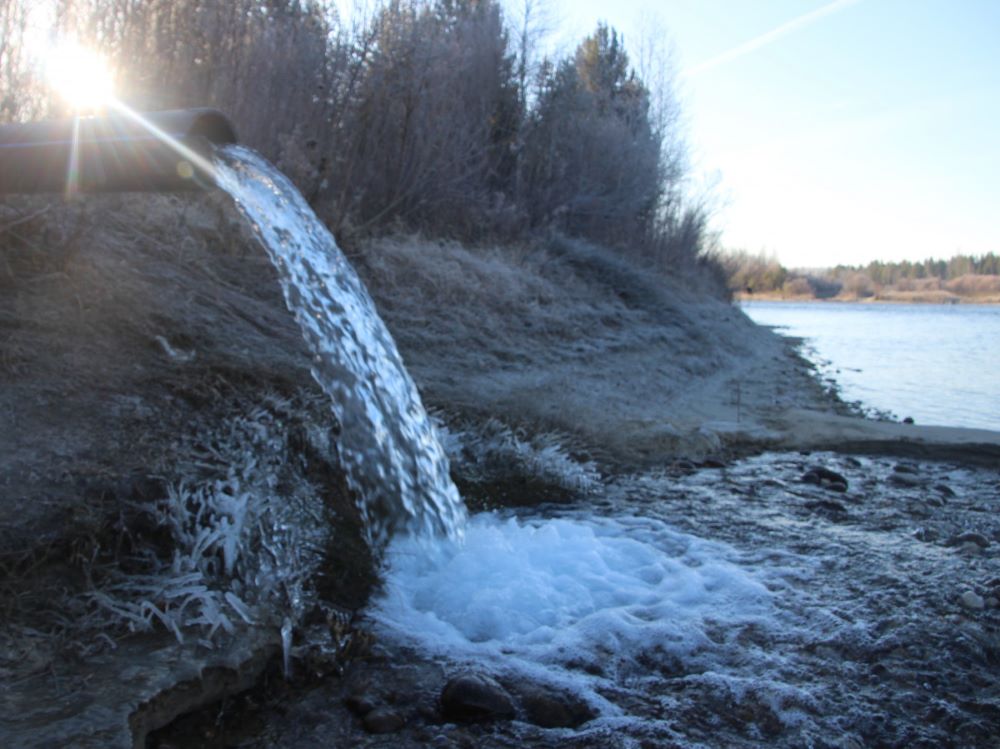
point(286, 647)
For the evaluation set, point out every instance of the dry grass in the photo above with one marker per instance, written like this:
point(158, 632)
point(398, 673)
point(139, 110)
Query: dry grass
point(484, 307)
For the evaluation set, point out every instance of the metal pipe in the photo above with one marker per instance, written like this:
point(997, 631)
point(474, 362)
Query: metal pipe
point(116, 153)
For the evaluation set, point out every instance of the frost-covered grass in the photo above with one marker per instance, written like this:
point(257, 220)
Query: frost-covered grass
point(486, 305)
point(495, 451)
point(245, 532)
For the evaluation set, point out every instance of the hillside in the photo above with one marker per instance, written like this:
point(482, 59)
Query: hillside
point(146, 348)
point(150, 372)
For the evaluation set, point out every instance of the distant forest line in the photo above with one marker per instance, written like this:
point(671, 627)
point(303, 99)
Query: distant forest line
point(444, 117)
point(961, 278)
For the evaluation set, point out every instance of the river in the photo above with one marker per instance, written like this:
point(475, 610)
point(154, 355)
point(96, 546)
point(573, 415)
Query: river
point(937, 364)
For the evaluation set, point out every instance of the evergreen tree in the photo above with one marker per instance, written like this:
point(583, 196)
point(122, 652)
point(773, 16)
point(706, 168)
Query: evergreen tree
point(592, 162)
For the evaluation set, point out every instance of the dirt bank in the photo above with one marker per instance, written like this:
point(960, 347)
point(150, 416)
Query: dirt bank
point(566, 337)
point(628, 367)
point(146, 362)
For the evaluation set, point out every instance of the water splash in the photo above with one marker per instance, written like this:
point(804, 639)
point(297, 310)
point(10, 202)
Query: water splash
point(387, 444)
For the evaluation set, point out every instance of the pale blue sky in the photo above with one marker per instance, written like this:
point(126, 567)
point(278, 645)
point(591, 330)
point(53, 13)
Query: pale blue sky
point(830, 131)
point(860, 130)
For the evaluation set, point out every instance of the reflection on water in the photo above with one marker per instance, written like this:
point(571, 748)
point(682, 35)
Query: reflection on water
point(937, 364)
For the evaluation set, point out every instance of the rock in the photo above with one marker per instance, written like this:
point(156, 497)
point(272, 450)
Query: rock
point(825, 478)
point(972, 601)
point(907, 480)
point(827, 505)
point(554, 709)
point(969, 537)
point(474, 697)
point(360, 704)
point(383, 720)
point(908, 420)
point(992, 602)
point(944, 490)
point(683, 467)
point(925, 534)
point(904, 468)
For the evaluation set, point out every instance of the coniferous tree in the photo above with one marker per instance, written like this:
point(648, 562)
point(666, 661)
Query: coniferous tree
point(592, 162)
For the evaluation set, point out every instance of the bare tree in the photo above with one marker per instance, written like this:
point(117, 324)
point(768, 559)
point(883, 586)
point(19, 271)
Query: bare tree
point(440, 115)
point(20, 95)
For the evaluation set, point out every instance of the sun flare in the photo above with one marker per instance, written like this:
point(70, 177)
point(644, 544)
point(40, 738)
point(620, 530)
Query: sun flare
point(80, 75)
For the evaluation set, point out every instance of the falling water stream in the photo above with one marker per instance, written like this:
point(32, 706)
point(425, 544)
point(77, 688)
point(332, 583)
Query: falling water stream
point(387, 445)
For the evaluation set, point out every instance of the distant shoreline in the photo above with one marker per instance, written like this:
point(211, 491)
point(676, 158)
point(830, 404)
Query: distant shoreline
point(910, 298)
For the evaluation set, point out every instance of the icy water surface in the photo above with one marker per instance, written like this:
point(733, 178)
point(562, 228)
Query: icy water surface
point(935, 363)
point(387, 445)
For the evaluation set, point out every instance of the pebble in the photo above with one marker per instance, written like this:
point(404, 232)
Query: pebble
point(908, 480)
point(360, 704)
point(972, 601)
point(925, 534)
point(383, 720)
point(825, 478)
point(553, 709)
point(473, 697)
point(970, 539)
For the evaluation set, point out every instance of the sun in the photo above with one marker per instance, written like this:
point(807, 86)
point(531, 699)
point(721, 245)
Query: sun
point(80, 76)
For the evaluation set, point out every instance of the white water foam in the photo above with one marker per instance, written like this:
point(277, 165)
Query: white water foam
point(578, 600)
point(387, 444)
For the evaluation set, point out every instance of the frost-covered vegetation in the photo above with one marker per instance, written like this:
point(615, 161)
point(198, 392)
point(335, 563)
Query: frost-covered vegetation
point(494, 452)
point(442, 116)
point(243, 532)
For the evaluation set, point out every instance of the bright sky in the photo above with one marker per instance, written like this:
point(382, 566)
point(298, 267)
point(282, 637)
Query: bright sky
point(837, 132)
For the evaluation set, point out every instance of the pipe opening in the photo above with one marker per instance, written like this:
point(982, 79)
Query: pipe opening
point(214, 126)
